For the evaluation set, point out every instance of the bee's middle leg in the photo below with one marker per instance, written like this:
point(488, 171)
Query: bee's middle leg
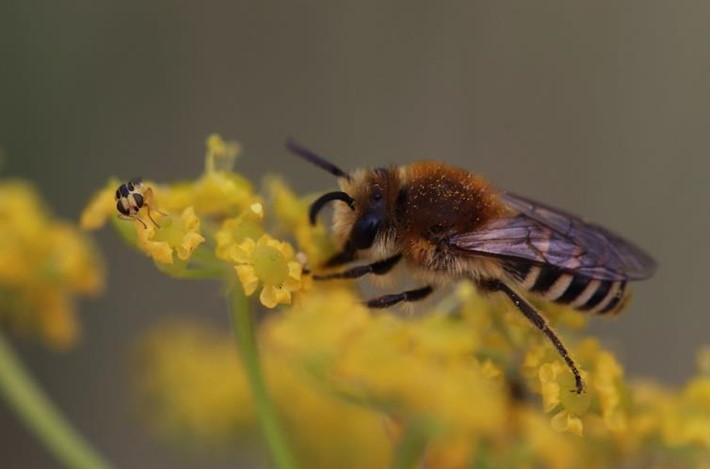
point(376, 268)
point(406, 296)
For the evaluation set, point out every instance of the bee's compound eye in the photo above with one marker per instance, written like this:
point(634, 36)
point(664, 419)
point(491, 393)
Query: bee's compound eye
point(364, 232)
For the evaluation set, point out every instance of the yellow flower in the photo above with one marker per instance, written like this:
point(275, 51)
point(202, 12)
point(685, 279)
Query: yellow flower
point(44, 264)
point(688, 423)
point(179, 236)
point(236, 230)
point(397, 366)
point(607, 384)
point(292, 215)
point(190, 379)
point(101, 206)
point(269, 263)
point(219, 192)
point(556, 450)
point(565, 421)
point(220, 154)
point(557, 387)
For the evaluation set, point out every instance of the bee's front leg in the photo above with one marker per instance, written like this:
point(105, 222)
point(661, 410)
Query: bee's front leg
point(377, 268)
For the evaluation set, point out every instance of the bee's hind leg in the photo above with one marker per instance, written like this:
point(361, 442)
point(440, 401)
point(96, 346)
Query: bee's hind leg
point(406, 296)
point(377, 268)
point(536, 318)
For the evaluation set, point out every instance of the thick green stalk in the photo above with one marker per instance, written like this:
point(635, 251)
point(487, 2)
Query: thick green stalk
point(243, 325)
point(39, 415)
point(412, 446)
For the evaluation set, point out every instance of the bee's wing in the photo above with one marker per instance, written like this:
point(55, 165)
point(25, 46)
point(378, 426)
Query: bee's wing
point(545, 235)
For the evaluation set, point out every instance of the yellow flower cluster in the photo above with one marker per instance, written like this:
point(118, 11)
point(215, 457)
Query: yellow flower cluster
point(214, 226)
point(350, 385)
point(44, 264)
point(215, 375)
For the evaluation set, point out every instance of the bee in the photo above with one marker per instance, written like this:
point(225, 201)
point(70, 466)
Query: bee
point(130, 197)
point(447, 224)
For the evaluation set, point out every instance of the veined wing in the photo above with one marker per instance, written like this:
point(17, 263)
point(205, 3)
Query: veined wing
point(545, 235)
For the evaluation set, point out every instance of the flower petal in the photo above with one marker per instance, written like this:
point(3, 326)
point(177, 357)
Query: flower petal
point(272, 295)
point(247, 275)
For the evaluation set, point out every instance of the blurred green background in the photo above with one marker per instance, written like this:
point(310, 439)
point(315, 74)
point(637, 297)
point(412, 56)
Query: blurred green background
point(601, 108)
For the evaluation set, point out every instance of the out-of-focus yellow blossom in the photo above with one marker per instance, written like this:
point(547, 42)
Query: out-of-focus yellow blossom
point(44, 264)
point(402, 368)
point(179, 236)
point(220, 154)
point(608, 376)
point(291, 213)
point(100, 207)
point(269, 263)
point(687, 420)
point(341, 375)
point(191, 383)
point(207, 390)
point(236, 230)
point(219, 192)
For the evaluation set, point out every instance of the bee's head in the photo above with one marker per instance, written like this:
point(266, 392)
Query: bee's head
point(369, 198)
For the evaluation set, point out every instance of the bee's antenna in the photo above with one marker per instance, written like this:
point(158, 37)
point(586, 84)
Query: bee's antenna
point(324, 199)
point(317, 160)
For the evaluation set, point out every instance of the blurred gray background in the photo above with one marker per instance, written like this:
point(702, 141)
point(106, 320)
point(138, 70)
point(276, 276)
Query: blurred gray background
point(601, 108)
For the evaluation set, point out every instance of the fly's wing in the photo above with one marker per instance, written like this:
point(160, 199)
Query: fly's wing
point(546, 235)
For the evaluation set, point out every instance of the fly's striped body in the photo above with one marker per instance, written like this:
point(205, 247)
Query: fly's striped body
point(448, 224)
point(576, 291)
point(131, 197)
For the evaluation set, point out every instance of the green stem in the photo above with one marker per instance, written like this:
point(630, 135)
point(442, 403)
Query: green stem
point(243, 325)
point(25, 397)
point(412, 446)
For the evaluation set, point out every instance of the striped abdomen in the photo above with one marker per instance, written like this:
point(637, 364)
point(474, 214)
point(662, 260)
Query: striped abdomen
point(578, 292)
